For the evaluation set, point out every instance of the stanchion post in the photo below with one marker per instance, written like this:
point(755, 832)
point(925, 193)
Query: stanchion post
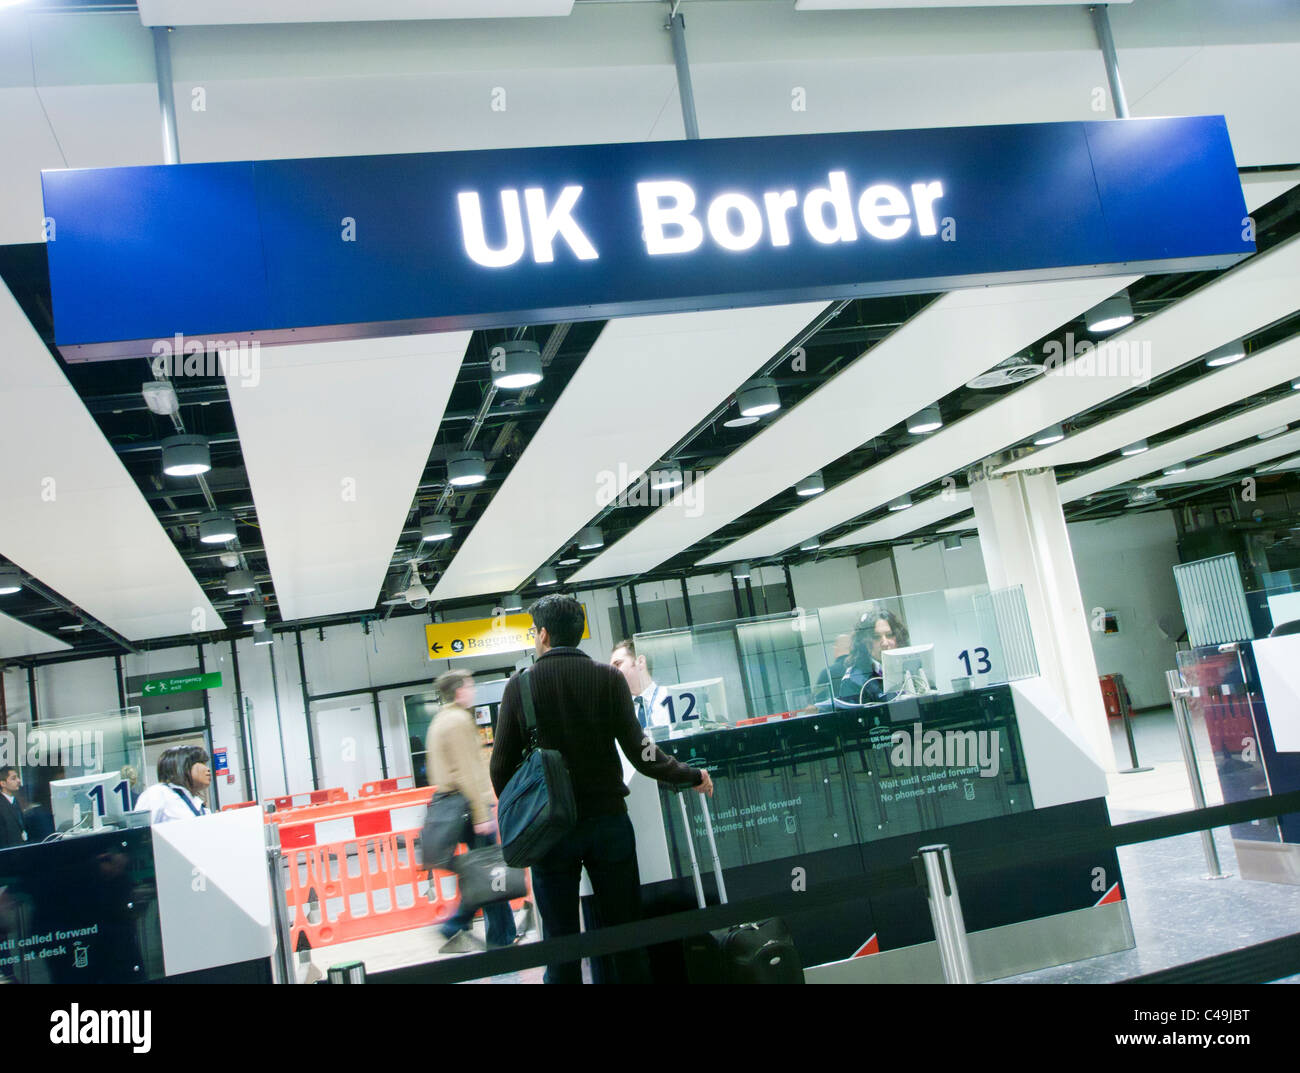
point(348, 972)
point(945, 912)
point(279, 906)
point(1121, 695)
point(1178, 694)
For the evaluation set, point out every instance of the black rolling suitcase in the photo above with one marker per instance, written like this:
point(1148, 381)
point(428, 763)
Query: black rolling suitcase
point(761, 952)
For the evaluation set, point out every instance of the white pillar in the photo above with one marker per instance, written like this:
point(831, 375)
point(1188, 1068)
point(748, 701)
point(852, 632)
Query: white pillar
point(1024, 539)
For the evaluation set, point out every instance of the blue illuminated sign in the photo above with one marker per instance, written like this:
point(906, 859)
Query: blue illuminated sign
point(342, 247)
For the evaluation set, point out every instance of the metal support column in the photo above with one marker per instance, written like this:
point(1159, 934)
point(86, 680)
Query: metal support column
point(636, 614)
point(121, 683)
point(162, 60)
point(945, 912)
point(31, 694)
point(379, 733)
point(245, 735)
point(279, 722)
point(686, 603)
point(677, 30)
point(1101, 23)
point(622, 612)
point(306, 713)
point(1178, 694)
point(207, 731)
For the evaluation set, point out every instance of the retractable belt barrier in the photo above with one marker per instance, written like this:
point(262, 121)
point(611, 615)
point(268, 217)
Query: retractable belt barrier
point(352, 870)
point(1282, 957)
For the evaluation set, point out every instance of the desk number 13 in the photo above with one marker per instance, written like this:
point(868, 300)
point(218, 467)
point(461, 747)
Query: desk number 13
point(982, 666)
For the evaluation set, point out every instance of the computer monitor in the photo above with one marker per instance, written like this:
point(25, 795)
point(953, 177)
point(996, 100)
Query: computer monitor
point(908, 670)
point(88, 801)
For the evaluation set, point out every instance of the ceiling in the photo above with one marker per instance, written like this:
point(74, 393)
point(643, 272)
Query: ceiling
point(328, 463)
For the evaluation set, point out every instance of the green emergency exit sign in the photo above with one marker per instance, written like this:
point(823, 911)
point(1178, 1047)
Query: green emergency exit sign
point(189, 683)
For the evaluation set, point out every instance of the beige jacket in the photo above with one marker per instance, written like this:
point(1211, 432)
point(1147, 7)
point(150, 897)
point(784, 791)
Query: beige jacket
point(456, 760)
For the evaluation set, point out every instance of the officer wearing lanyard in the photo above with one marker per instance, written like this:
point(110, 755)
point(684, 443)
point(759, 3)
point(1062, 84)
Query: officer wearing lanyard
point(645, 709)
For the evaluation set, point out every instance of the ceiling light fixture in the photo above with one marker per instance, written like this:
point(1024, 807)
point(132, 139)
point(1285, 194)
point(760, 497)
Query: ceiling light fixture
point(740, 422)
point(516, 365)
point(758, 398)
point(1271, 433)
point(240, 583)
point(1113, 313)
point(1177, 467)
point(1135, 448)
point(435, 527)
point(11, 581)
point(186, 456)
point(1226, 354)
point(160, 397)
point(465, 468)
point(261, 635)
point(811, 544)
point(513, 602)
point(216, 528)
point(900, 503)
point(1295, 384)
point(1051, 434)
point(812, 485)
point(923, 421)
point(665, 478)
point(591, 538)
point(740, 572)
point(254, 615)
point(952, 542)
point(545, 576)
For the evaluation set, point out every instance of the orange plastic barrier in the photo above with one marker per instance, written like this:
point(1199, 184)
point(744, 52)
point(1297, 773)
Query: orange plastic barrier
point(239, 804)
point(313, 797)
point(352, 870)
point(384, 786)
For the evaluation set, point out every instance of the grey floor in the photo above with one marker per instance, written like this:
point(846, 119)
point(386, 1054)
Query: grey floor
point(1178, 915)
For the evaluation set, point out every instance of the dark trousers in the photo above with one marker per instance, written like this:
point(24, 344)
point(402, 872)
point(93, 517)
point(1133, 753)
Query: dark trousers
point(498, 917)
point(606, 846)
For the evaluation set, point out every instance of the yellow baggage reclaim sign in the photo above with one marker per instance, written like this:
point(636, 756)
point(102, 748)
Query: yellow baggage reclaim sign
point(483, 636)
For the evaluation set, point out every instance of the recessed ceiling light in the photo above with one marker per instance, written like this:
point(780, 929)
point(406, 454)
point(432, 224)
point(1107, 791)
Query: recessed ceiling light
point(1226, 354)
point(216, 528)
point(1272, 432)
point(11, 581)
point(923, 421)
point(740, 422)
point(1135, 448)
point(513, 602)
point(573, 561)
point(1053, 434)
point(261, 635)
point(435, 527)
point(952, 542)
point(186, 456)
point(254, 615)
point(812, 485)
point(664, 478)
point(740, 572)
point(1113, 313)
point(240, 583)
point(516, 365)
point(591, 538)
point(545, 576)
point(757, 398)
point(811, 544)
point(900, 503)
point(465, 468)
point(1177, 467)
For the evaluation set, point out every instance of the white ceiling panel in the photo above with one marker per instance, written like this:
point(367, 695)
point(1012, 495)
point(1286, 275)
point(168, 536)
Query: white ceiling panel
point(1243, 458)
point(955, 338)
point(1257, 292)
point(1201, 441)
point(1266, 369)
point(239, 12)
point(17, 639)
point(73, 518)
point(878, 5)
point(335, 438)
point(646, 382)
point(1287, 463)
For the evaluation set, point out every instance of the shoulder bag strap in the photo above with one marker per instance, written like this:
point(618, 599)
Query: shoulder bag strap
point(530, 709)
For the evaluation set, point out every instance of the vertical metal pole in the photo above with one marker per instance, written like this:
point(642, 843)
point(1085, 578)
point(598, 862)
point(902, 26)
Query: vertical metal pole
point(379, 732)
point(245, 736)
point(1178, 694)
point(306, 712)
point(686, 602)
point(945, 912)
point(1101, 23)
point(162, 61)
point(636, 614)
point(31, 693)
point(677, 29)
point(622, 612)
point(1121, 695)
point(121, 683)
point(207, 730)
point(749, 597)
point(279, 722)
point(275, 873)
point(789, 586)
point(735, 593)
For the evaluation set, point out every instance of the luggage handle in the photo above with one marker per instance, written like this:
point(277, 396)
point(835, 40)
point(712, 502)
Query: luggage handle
point(713, 849)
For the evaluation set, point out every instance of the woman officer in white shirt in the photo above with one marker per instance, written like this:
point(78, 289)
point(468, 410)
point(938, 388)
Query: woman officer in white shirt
point(183, 780)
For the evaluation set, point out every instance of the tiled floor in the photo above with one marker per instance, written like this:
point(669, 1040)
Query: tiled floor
point(1178, 916)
